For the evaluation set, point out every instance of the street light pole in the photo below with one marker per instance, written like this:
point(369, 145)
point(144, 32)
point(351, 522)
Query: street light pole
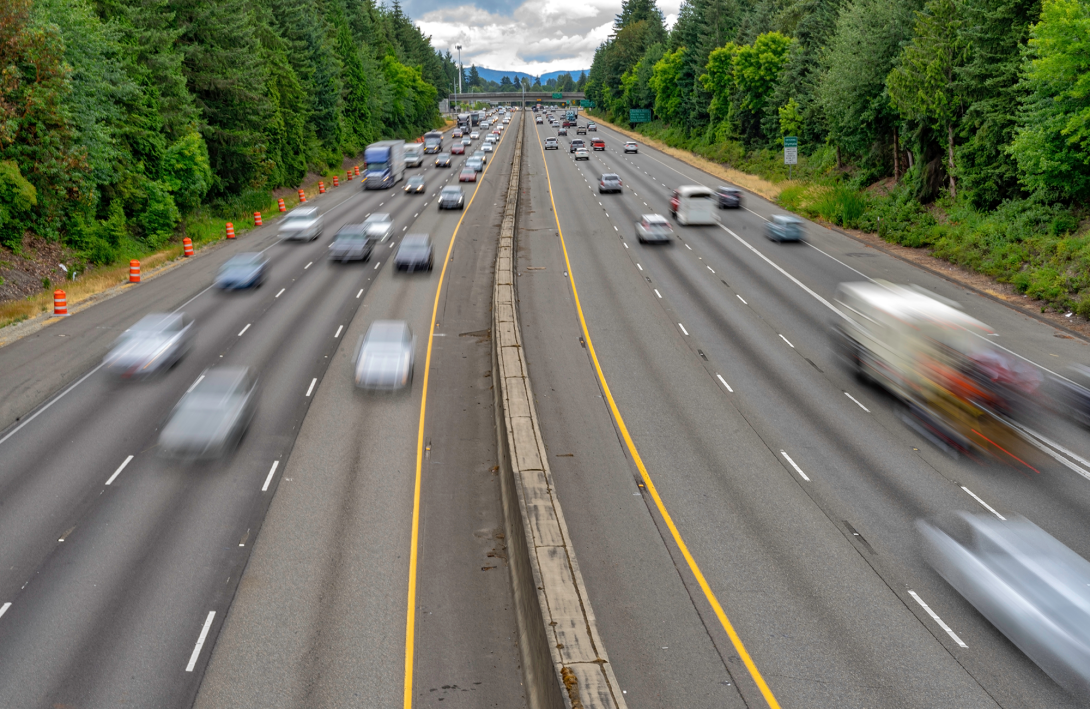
point(461, 70)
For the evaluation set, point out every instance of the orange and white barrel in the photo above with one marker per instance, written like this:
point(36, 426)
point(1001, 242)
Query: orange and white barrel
point(134, 271)
point(230, 230)
point(257, 218)
point(60, 304)
point(336, 183)
point(187, 247)
point(280, 201)
point(302, 197)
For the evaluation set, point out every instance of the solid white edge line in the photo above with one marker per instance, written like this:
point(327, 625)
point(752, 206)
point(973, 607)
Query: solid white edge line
point(118, 471)
point(786, 340)
point(200, 641)
point(857, 402)
point(983, 503)
point(265, 487)
point(725, 383)
point(310, 388)
point(793, 465)
point(683, 329)
point(38, 413)
point(244, 329)
point(280, 293)
point(338, 333)
point(937, 619)
point(4, 608)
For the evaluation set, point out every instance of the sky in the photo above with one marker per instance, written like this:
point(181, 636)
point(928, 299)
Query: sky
point(536, 36)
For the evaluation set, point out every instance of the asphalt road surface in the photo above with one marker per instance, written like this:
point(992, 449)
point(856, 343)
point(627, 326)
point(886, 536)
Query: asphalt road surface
point(115, 595)
point(794, 486)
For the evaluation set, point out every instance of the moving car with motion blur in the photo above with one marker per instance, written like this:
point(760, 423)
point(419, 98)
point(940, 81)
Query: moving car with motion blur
point(475, 135)
point(1029, 585)
point(580, 130)
point(415, 185)
point(692, 204)
point(414, 253)
point(352, 242)
point(479, 155)
point(576, 144)
point(592, 127)
point(475, 163)
point(384, 360)
point(157, 342)
point(729, 197)
point(457, 149)
point(212, 416)
point(538, 120)
point(582, 154)
point(245, 270)
point(451, 197)
point(302, 224)
point(631, 146)
point(598, 144)
point(783, 227)
point(468, 174)
point(609, 182)
point(379, 226)
point(561, 131)
point(551, 143)
point(1071, 394)
point(487, 147)
point(442, 160)
point(457, 133)
point(654, 229)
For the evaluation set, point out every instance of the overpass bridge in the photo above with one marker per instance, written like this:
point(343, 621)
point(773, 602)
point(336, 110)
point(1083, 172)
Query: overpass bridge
point(517, 98)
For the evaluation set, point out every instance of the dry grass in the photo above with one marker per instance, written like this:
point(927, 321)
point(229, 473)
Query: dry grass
point(764, 188)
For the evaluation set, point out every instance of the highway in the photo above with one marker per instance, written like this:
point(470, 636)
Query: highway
point(121, 568)
point(793, 486)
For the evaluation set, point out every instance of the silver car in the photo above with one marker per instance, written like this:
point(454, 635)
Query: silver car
point(379, 226)
point(475, 163)
point(384, 360)
point(654, 228)
point(211, 416)
point(352, 243)
point(1031, 587)
point(154, 344)
point(303, 223)
point(783, 227)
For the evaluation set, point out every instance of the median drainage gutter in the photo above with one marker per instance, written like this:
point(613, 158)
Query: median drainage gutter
point(564, 662)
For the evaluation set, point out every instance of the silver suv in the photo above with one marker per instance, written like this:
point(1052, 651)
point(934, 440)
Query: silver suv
point(303, 223)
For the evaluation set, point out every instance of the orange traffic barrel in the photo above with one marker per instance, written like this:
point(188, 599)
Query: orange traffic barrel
point(187, 247)
point(348, 174)
point(230, 230)
point(257, 218)
point(321, 187)
point(281, 203)
point(134, 271)
point(357, 169)
point(60, 304)
point(335, 182)
point(302, 197)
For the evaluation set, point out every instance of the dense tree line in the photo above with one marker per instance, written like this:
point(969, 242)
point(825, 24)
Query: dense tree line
point(118, 117)
point(980, 101)
point(473, 82)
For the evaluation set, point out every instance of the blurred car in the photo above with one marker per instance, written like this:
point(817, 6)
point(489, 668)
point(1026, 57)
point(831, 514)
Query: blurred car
point(487, 147)
point(631, 146)
point(379, 226)
point(1031, 587)
point(452, 198)
point(580, 130)
point(729, 197)
point(442, 160)
point(475, 135)
point(784, 228)
point(598, 144)
point(414, 253)
point(1071, 394)
point(245, 270)
point(384, 360)
point(304, 223)
point(352, 242)
point(576, 144)
point(157, 342)
point(457, 133)
point(551, 144)
point(538, 120)
point(562, 131)
point(457, 149)
point(211, 416)
point(466, 142)
point(609, 182)
point(468, 174)
point(415, 185)
point(582, 154)
point(592, 126)
point(479, 155)
point(654, 228)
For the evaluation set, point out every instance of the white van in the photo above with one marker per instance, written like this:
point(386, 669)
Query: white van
point(693, 204)
point(414, 154)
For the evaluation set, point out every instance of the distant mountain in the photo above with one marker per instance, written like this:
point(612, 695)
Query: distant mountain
point(496, 75)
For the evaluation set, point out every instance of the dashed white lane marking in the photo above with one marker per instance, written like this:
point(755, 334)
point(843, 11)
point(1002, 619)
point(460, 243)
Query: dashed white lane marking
point(200, 641)
point(857, 402)
point(338, 333)
point(360, 293)
point(983, 503)
point(391, 244)
point(688, 247)
point(377, 264)
point(280, 293)
point(404, 228)
point(244, 329)
point(657, 292)
point(626, 245)
point(711, 269)
point(417, 214)
point(639, 266)
point(308, 265)
point(615, 227)
point(4, 608)
point(741, 299)
point(725, 383)
point(935, 617)
point(194, 384)
point(787, 341)
point(683, 329)
point(794, 465)
point(310, 389)
point(269, 477)
point(127, 460)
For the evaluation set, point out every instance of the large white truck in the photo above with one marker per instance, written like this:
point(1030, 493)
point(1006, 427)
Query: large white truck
point(414, 154)
point(385, 164)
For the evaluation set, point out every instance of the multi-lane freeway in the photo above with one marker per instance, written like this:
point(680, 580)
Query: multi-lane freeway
point(742, 506)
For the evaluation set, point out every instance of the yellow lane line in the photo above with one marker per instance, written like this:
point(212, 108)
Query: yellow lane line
point(410, 619)
point(739, 647)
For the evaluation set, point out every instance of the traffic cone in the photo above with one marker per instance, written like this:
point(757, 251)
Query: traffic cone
point(357, 170)
point(60, 304)
point(257, 218)
point(321, 187)
point(282, 207)
point(134, 271)
point(187, 247)
point(348, 174)
point(230, 230)
point(302, 197)
point(335, 182)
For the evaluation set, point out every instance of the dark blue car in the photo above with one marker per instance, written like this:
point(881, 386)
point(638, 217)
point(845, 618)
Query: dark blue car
point(243, 271)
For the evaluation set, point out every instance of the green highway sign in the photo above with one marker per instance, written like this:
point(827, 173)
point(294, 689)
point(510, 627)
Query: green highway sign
point(790, 150)
point(587, 104)
point(639, 115)
point(790, 142)
point(558, 95)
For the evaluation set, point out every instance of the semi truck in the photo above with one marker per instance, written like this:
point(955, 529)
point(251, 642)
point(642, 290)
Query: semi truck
point(414, 154)
point(385, 164)
point(433, 142)
point(463, 120)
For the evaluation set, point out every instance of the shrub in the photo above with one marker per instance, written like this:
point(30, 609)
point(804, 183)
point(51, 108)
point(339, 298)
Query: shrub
point(17, 196)
point(160, 216)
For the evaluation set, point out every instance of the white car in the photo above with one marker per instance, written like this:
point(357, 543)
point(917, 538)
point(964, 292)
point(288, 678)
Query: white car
point(487, 147)
point(303, 223)
point(654, 228)
point(631, 147)
point(474, 135)
point(551, 143)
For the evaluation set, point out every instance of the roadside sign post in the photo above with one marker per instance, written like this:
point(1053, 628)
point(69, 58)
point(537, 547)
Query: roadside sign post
point(639, 115)
point(790, 152)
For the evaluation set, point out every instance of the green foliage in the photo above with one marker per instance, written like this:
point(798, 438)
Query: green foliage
point(790, 119)
point(186, 171)
point(160, 216)
point(17, 197)
point(1052, 145)
point(664, 82)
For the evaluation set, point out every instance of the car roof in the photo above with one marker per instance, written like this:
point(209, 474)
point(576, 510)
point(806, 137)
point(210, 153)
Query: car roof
point(786, 219)
point(611, 175)
point(379, 217)
point(654, 218)
point(303, 212)
point(416, 178)
point(244, 259)
point(220, 379)
point(694, 191)
point(415, 240)
point(452, 188)
point(387, 330)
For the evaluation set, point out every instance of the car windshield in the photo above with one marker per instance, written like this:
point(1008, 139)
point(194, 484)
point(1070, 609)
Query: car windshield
point(385, 337)
point(444, 156)
point(300, 216)
point(377, 166)
point(213, 390)
point(451, 192)
point(415, 241)
point(377, 218)
point(416, 180)
point(610, 178)
point(351, 233)
point(243, 261)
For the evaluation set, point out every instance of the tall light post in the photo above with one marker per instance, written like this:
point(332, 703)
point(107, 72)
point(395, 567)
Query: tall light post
point(458, 98)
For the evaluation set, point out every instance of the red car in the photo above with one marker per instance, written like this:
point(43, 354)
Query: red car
point(675, 201)
point(457, 149)
point(467, 174)
point(598, 144)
